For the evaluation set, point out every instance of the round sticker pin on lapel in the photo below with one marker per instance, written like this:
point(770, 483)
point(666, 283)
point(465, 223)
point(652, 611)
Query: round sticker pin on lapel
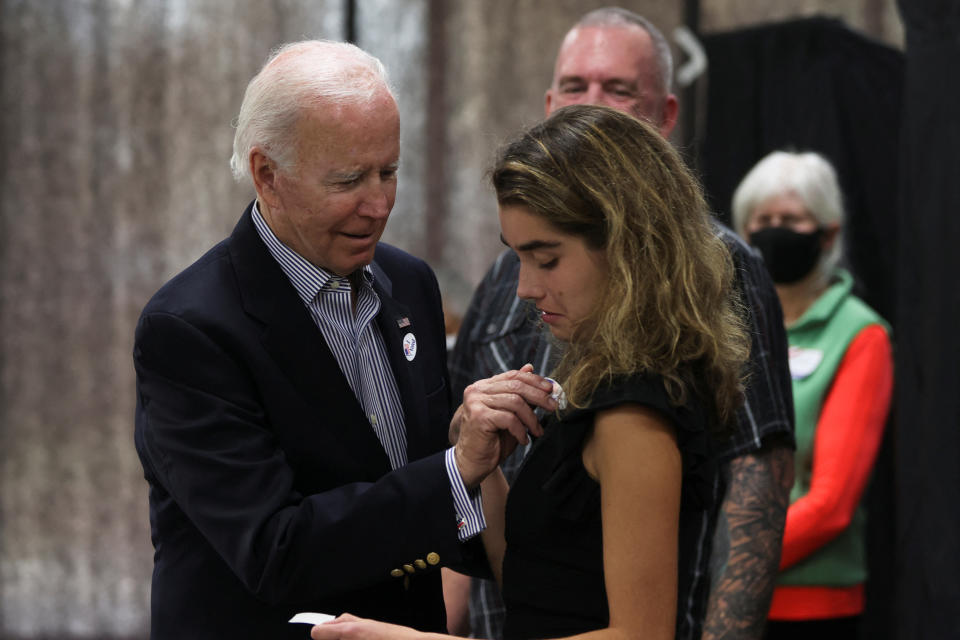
point(410, 347)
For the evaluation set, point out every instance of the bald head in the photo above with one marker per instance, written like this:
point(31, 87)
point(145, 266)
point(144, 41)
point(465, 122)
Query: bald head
point(617, 63)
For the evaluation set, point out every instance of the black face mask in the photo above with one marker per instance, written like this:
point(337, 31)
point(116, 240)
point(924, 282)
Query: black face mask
point(789, 255)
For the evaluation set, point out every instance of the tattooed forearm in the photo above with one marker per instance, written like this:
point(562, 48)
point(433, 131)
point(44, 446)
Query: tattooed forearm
point(746, 548)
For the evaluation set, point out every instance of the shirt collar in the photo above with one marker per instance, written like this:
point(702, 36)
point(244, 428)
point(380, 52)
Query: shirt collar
point(307, 278)
point(826, 305)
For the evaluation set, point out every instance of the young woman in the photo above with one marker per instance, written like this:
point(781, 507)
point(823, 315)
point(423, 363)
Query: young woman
point(619, 259)
point(789, 206)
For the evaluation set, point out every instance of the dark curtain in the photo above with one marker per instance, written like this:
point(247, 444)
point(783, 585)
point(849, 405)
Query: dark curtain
point(928, 373)
point(814, 84)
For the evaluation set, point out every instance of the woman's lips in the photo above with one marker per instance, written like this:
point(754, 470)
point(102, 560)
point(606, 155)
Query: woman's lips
point(548, 317)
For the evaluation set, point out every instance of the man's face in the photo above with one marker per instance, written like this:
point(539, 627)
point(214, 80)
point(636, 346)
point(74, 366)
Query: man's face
point(614, 66)
point(332, 207)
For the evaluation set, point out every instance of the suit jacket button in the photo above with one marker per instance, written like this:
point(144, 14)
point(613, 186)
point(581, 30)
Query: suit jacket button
point(420, 563)
point(396, 573)
point(433, 558)
point(408, 568)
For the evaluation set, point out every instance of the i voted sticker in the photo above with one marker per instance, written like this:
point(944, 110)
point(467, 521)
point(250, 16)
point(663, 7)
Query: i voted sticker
point(410, 347)
point(803, 362)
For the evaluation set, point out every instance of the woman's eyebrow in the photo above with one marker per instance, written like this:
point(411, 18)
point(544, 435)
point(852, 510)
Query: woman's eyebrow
point(533, 245)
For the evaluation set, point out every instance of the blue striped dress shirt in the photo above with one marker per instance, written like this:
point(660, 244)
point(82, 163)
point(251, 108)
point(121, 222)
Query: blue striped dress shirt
point(357, 345)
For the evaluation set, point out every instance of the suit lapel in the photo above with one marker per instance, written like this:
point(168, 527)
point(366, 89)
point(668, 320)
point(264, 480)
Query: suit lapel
point(396, 323)
point(297, 346)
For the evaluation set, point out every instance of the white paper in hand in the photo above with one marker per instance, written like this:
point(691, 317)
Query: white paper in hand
point(311, 618)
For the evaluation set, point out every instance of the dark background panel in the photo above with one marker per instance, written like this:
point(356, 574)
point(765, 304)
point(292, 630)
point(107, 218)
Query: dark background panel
point(927, 457)
point(814, 84)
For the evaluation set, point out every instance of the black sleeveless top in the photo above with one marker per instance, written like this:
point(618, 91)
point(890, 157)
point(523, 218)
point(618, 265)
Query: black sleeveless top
point(553, 568)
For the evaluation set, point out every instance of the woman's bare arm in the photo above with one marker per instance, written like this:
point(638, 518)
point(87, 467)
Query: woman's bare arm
point(494, 490)
point(633, 454)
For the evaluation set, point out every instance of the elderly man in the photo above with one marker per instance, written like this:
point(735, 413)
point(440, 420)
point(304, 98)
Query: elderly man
point(616, 58)
point(292, 393)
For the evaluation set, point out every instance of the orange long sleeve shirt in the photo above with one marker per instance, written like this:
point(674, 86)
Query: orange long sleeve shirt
point(848, 436)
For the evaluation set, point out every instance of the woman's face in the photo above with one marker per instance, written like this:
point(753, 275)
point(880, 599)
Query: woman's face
point(786, 210)
point(790, 238)
point(559, 273)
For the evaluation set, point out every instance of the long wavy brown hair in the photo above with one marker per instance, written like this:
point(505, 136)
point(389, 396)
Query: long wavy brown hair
point(668, 307)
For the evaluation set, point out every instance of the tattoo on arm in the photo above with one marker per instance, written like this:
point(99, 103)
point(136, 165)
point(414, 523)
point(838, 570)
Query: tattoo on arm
point(746, 546)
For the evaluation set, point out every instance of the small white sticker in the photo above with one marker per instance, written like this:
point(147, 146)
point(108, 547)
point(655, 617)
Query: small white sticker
point(410, 347)
point(558, 394)
point(803, 362)
point(309, 617)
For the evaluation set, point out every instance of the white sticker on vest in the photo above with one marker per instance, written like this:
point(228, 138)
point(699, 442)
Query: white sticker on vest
point(803, 362)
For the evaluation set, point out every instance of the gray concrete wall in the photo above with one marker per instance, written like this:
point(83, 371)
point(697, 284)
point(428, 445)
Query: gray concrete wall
point(877, 18)
point(115, 135)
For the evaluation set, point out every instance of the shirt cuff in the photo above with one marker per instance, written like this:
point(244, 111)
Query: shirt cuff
point(467, 504)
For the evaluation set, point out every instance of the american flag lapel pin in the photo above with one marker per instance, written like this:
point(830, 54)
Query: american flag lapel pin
point(403, 322)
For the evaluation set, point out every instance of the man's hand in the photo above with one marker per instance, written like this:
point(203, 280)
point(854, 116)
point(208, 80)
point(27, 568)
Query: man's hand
point(496, 414)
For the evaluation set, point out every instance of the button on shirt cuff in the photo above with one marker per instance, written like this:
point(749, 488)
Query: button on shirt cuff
point(467, 504)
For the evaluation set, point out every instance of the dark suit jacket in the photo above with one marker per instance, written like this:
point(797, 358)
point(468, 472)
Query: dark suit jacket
point(269, 492)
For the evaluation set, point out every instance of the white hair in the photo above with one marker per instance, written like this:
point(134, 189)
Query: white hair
point(297, 75)
point(808, 176)
point(618, 17)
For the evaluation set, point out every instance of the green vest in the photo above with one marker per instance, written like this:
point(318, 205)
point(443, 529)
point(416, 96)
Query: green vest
point(818, 341)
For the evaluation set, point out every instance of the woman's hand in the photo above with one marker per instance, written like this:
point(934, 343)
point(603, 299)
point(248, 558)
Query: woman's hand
point(348, 627)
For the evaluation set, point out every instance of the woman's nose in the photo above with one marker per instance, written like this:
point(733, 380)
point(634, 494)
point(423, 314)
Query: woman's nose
point(526, 287)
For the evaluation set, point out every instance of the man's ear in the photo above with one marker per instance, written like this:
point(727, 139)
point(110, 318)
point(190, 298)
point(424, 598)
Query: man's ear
point(548, 101)
point(671, 109)
point(264, 172)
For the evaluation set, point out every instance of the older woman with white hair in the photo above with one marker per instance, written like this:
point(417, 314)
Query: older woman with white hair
point(789, 206)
